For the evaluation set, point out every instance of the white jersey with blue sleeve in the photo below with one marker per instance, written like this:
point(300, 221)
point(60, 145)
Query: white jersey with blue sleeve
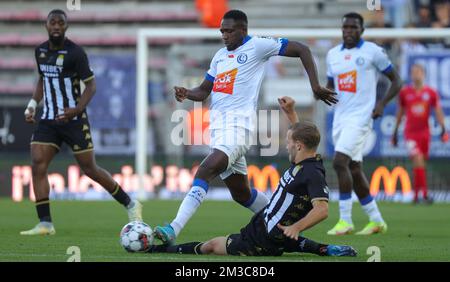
point(237, 76)
point(355, 75)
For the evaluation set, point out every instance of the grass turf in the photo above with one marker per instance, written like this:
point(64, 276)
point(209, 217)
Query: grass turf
point(416, 233)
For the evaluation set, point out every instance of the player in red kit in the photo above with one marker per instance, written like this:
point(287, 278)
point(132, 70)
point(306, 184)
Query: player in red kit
point(416, 101)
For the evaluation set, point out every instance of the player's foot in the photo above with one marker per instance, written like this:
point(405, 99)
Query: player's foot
point(341, 251)
point(135, 211)
point(341, 228)
point(166, 234)
point(373, 228)
point(42, 228)
point(428, 200)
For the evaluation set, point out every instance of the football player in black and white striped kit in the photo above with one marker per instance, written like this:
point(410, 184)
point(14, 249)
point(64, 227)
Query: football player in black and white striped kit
point(62, 66)
point(299, 203)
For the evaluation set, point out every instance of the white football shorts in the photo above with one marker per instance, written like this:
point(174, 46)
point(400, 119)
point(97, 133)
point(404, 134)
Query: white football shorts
point(234, 142)
point(350, 139)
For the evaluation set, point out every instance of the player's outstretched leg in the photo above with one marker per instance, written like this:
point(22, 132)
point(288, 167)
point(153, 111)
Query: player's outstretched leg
point(192, 248)
point(214, 164)
point(305, 245)
point(41, 156)
point(87, 163)
point(376, 223)
point(214, 246)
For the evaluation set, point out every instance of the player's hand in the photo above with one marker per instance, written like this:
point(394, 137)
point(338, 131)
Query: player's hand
point(328, 96)
point(394, 140)
point(290, 231)
point(180, 93)
point(69, 114)
point(29, 115)
point(378, 111)
point(444, 135)
point(287, 104)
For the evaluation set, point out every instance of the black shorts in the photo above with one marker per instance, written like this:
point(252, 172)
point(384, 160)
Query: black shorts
point(75, 133)
point(253, 241)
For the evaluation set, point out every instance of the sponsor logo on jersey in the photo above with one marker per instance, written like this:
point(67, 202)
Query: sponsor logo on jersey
point(418, 109)
point(224, 82)
point(49, 70)
point(347, 81)
point(348, 57)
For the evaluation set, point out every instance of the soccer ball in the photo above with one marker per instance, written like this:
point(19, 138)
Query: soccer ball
point(136, 236)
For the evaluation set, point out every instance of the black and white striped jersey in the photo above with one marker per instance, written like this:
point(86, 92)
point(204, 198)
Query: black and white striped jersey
point(299, 186)
point(61, 72)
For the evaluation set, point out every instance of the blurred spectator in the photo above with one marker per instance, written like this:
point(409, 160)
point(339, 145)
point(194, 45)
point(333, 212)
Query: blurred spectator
point(380, 22)
point(424, 16)
point(407, 47)
point(442, 12)
point(211, 11)
point(395, 10)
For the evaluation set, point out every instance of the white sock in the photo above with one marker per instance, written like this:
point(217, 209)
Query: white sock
point(259, 203)
point(345, 210)
point(188, 207)
point(46, 224)
point(371, 209)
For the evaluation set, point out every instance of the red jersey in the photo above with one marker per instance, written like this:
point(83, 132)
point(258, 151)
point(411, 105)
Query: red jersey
point(417, 105)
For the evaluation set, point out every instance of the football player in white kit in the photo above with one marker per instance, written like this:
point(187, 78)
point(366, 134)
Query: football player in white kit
point(233, 81)
point(352, 70)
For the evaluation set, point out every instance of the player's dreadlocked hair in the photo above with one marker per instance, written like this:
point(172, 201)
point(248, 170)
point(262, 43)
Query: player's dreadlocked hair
point(354, 15)
point(236, 15)
point(57, 12)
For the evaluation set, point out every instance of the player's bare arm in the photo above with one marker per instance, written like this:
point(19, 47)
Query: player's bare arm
point(297, 49)
point(88, 93)
point(316, 215)
point(400, 113)
point(394, 89)
point(30, 111)
point(287, 104)
point(196, 94)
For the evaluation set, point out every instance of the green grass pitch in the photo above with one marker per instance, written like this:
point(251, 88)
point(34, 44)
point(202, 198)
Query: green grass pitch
point(416, 233)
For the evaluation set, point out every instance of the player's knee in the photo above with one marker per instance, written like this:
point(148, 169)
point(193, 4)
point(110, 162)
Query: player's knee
point(208, 247)
point(38, 165)
point(207, 172)
point(339, 164)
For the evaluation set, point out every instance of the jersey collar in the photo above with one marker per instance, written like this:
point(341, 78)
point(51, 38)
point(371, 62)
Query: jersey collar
point(360, 43)
point(317, 158)
point(246, 39)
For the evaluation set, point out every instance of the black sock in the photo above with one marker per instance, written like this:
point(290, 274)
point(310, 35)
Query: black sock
point(186, 248)
point(310, 246)
point(43, 210)
point(120, 195)
point(304, 245)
